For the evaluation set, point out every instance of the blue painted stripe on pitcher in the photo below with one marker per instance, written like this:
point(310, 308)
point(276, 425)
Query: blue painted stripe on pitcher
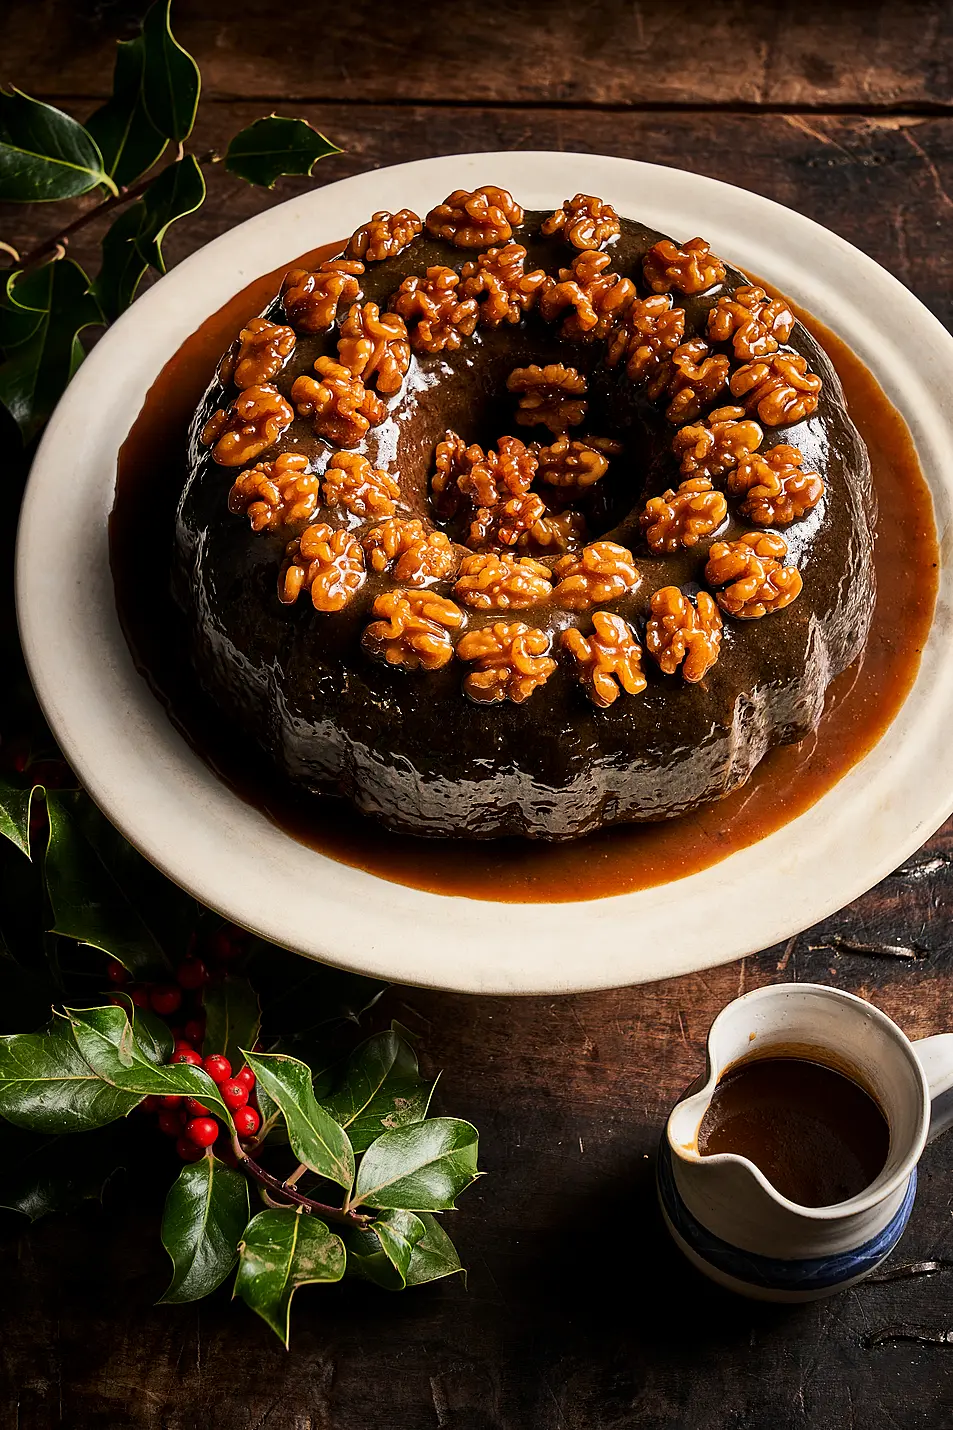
point(770, 1272)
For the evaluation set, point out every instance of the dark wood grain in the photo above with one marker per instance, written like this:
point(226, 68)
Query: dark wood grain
point(579, 1314)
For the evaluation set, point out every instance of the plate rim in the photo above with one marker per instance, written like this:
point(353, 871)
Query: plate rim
point(93, 696)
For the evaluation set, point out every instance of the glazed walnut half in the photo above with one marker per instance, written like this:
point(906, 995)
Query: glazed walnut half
point(362, 490)
point(574, 464)
point(680, 519)
point(414, 554)
point(650, 332)
point(277, 493)
point(685, 633)
point(252, 423)
point(258, 355)
point(498, 281)
point(585, 221)
point(476, 219)
point(342, 408)
point(609, 661)
point(491, 582)
point(512, 661)
point(691, 379)
point(754, 582)
point(754, 324)
point(328, 563)
point(413, 629)
point(776, 490)
point(312, 299)
point(691, 268)
point(603, 571)
point(780, 388)
point(438, 316)
point(552, 396)
point(597, 295)
point(384, 236)
point(716, 445)
point(374, 346)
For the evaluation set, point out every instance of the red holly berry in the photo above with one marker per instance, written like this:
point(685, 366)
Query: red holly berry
point(194, 1031)
point(183, 1044)
point(116, 973)
point(166, 998)
point(226, 943)
point(247, 1122)
point(247, 1077)
point(195, 1108)
point(140, 998)
point(150, 1103)
point(173, 1099)
point(191, 974)
point(187, 1150)
point(170, 1123)
point(203, 1131)
point(233, 1093)
point(187, 1055)
point(218, 1068)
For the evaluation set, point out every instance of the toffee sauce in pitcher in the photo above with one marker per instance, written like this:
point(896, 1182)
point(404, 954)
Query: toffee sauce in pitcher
point(815, 1133)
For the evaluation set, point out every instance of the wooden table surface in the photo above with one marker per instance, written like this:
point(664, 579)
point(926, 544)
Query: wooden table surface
point(579, 1315)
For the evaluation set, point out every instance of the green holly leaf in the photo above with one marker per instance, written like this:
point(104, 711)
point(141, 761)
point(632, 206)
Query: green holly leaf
point(151, 1032)
point(15, 814)
point(128, 140)
point(382, 1089)
point(233, 1019)
point(26, 300)
point(434, 1256)
point(107, 1040)
point(47, 1086)
point(41, 1174)
point(419, 1168)
point(316, 1139)
point(89, 904)
point(272, 147)
point(205, 1214)
point(303, 997)
point(44, 153)
point(179, 190)
point(170, 76)
point(280, 1251)
point(123, 267)
point(382, 1252)
point(37, 370)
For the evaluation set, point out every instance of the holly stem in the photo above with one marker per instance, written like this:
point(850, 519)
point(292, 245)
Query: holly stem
point(289, 1191)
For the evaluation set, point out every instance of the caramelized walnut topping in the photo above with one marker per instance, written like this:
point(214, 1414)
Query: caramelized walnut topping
point(683, 633)
point(715, 446)
point(311, 300)
point(475, 220)
point(692, 378)
point(329, 563)
point(413, 629)
point(779, 388)
point(775, 489)
point(552, 396)
point(365, 491)
point(421, 556)
point(342, 407)
point(506, 472)
point(261, 351)
point(650, 333)
point(452, 459)
point(507, 523)
point(601, 572)
point(374, 346)
point(384, 236)
point(499, 282)
point(751, 322)
point(750, 571)
point(679, 519)
point(553, 532)
point(585, 221)
point(252, 423)
point(609, 661)
point(598, 296)
point(511, 662)
point(497, 583)
point(277, 493)
point(438, 315)
point(692, 268)
point(576, 463)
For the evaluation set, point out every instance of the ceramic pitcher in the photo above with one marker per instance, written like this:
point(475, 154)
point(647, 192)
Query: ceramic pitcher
point(723, 1212)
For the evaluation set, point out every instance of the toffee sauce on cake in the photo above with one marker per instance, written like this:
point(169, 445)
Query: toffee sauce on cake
point(860, 703)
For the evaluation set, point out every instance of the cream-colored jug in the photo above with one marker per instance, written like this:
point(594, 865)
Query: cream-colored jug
point(723, 1212)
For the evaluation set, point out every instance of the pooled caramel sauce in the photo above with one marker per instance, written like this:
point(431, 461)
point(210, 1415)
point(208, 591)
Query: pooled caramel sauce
point(817, 1136)
point(860, 703)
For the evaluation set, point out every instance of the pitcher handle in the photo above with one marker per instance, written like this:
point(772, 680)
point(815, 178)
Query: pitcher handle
point(936, 1058)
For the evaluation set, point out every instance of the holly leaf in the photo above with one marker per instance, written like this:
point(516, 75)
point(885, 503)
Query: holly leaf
point(44, 153)
point(107, 1040)
point(233, 1019)
point(128, 140)
point(26, 298)
point(280, 1251)
point(41, 1175)
point(419, 1168)
point(88, 902)
point(382, 1089)
point(37, 370)
point(206, 1211)
point(302, 997)
point(151, 1032)
point(434, 1256)
point(47, 1086)
point(316, 1139)
point(273, 146)
point(122, 267)
point(179, 190)
point(170, 76)
point(382, 1252)
point(15, 814)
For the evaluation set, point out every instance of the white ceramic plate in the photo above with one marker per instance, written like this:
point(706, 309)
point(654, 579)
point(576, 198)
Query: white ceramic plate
point(168, 803)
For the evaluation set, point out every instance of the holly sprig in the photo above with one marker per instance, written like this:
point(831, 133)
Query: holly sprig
point(303, 1159)
point(130, 159)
